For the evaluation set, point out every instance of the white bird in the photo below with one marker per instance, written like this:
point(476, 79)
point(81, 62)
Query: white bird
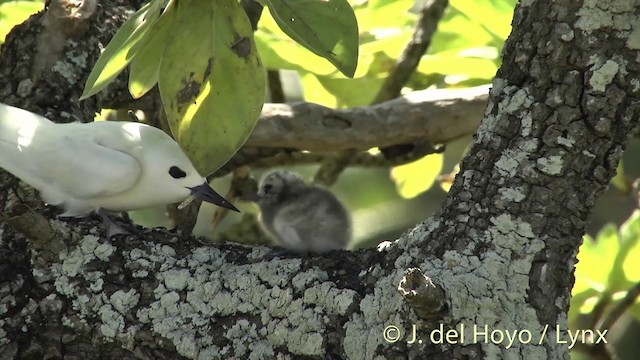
point(302, 217)
point(105, 165)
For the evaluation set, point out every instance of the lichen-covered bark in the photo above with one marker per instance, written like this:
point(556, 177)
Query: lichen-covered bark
point(561, 110)
point(502, 248)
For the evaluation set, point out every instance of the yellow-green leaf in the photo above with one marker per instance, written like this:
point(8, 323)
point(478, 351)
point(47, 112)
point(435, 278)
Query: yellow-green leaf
point(119, 52)
point(326, 27)
point(414, 178)
point(143, 73)
point(211, 80)
point(596, 259)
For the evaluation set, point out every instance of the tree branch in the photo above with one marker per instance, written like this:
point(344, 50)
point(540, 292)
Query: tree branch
point(438, 116)
point(430, 13)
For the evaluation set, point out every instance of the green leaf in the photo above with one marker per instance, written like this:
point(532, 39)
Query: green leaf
point(119, 52)
point(326, 27)
point(143, 73)
point(278, 51)
point(417, 177)
point(211, 80)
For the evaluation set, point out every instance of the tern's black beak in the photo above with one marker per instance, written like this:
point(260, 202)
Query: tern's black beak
point(204, 192)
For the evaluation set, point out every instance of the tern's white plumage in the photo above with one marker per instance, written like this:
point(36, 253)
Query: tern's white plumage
point(116, 166)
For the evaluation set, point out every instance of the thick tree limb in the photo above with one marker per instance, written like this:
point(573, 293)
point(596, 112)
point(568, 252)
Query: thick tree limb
point(438, 116)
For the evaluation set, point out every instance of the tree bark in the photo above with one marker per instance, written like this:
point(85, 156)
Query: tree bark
point(498, 257)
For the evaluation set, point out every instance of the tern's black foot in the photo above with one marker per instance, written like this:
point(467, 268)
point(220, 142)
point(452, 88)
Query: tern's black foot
point(113, 228)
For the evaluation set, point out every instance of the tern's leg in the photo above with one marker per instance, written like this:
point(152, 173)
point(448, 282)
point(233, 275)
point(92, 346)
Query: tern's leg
point(112, 227)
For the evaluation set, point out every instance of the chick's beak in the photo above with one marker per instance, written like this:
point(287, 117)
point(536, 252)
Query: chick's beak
point(204, 192)
point(254, 197)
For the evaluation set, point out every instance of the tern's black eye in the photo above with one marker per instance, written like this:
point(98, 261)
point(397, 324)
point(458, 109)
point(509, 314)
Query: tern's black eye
point(176, 172)
point(267, 188)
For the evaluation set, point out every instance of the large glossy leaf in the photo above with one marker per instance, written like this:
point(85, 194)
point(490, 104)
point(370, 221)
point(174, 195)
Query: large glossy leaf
point(120, 51)
point(326, 27)
point(279, 51)
point(211, 80)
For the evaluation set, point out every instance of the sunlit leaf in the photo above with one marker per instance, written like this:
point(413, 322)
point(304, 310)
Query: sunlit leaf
point(143, 73)
point(596, 259)
point(211, 80)
point(119, 52)
point(326, 27)
point(278, 51)
point(414, 178)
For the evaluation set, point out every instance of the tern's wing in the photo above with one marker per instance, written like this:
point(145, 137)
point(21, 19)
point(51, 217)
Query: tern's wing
point(70, 160)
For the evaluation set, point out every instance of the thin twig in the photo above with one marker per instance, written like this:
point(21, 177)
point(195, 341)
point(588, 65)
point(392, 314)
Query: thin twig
point(430, 14)
point(275, 86)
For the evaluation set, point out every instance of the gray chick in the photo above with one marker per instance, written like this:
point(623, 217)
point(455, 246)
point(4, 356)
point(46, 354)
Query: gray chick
point(302, 217)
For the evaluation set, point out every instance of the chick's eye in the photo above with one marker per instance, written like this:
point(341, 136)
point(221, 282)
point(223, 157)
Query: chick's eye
point(176, 172)
point(267, 188)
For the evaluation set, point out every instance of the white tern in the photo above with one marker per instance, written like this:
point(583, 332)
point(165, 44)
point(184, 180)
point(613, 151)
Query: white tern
point(301, 217)
point(104, 165)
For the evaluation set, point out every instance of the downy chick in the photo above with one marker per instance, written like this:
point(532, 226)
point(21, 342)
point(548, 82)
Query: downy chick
point(302, 217)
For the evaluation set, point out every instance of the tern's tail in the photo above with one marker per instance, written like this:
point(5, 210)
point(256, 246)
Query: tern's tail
point(18, 129)
point(17, 126)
